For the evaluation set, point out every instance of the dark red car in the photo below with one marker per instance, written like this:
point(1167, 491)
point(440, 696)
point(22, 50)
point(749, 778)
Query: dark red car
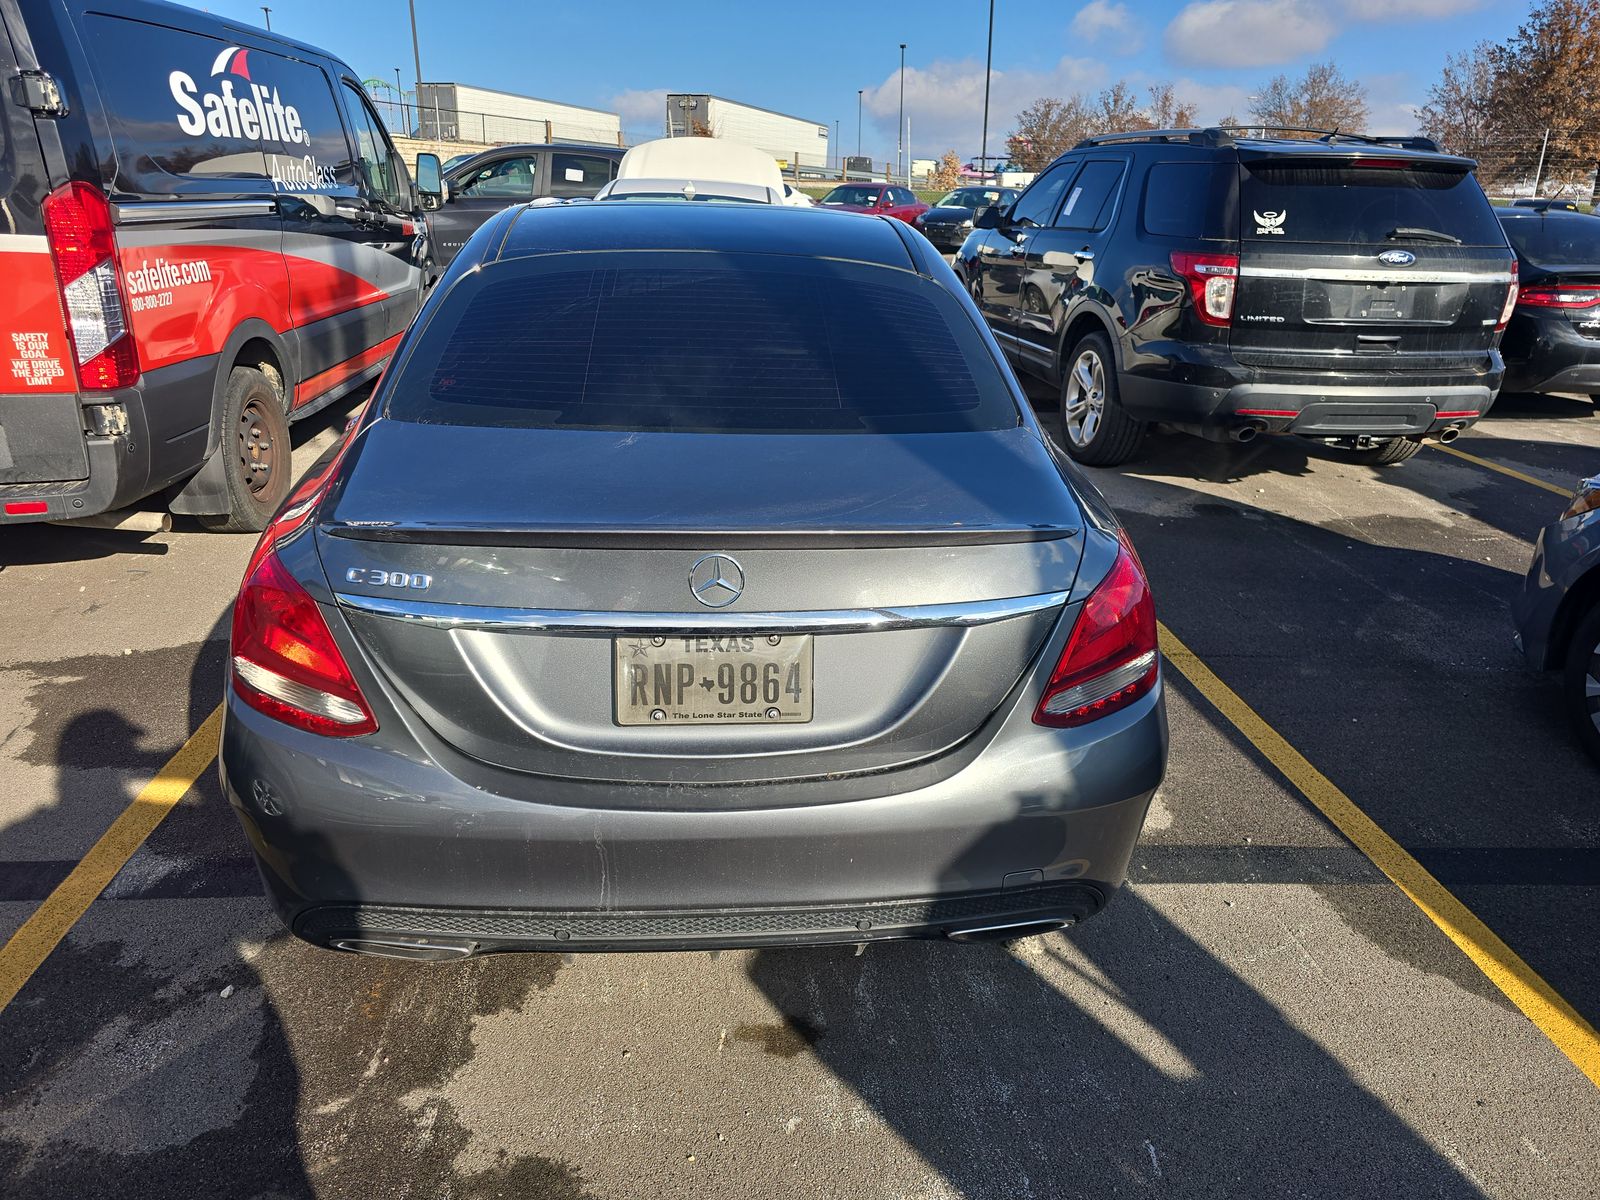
point(884, 199)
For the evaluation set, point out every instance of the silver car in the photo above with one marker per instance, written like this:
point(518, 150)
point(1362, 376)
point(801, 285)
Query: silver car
point(1558, 610)
point(697, 576)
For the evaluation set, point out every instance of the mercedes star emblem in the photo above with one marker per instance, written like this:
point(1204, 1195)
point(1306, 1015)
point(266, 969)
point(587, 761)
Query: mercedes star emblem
point(716, 580)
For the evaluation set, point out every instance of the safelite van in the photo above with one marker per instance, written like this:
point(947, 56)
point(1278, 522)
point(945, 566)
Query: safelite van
point(205, 234)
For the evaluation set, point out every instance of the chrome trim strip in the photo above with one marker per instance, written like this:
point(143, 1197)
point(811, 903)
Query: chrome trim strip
point(142, 212)
point(1369, 275)
point(849, 620)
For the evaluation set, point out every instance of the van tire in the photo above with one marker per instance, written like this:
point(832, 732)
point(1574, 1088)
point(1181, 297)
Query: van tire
point(1582, 650)
point(1095, 429)
point(256, 455)
point(1395, 450)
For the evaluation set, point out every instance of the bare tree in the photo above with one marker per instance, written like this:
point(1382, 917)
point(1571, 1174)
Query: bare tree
point(1322, 98)
point(948, 173)
point(1460, 113)
point(1166, 111)
point(1046, 129)
point(1538, 85)
point(1117, 110)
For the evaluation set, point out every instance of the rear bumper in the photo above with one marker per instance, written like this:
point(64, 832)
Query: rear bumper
point(1336, 406)
point(356, 842)
point(1553, 357)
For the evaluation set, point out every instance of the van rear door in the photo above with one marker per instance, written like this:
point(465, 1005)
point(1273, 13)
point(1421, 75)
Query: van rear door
point(1369, 261)
point(41, 430)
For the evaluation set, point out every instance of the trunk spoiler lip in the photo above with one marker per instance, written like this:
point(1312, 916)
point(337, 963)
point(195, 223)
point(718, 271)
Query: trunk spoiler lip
point(606, 537)
point(960, 614)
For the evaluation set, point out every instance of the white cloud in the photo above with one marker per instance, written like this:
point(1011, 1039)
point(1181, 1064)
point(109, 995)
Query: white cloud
point(944, 101)
point(1408, 10)
point(1247, 33)
point(1106, 21)
point(642, 109)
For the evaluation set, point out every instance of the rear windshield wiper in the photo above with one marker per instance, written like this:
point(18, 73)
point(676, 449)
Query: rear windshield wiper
point(1417, 233)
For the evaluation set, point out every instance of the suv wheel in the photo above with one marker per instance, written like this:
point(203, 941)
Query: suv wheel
point(1095, 428)
point(256, 453)
point(1580, 682)
point(1392, 451)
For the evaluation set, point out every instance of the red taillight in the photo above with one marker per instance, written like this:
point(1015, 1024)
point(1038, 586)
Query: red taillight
point(1213, 279)
point(1570, 296)
point(77, 222)
point(285, 662)
point(1111, 657)
point(26, 508)
point(1381, 164)
point(1511, 298)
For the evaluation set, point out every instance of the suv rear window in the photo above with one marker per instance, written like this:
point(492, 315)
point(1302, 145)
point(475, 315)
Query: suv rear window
point(1366, 204)
point(1556, 241)
point(1189, 199)
point(655, 342)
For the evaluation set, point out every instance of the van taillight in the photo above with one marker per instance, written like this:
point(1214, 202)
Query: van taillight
point(1511, 299)
point(1111, 657)
point(77, 222)
point(1213, 280)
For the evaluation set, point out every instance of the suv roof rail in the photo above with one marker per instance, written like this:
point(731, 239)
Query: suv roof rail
point(1226, 135)
point(1199, 137)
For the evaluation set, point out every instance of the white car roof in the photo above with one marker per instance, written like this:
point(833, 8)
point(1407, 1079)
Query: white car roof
point(704, 189)
point(701, 158)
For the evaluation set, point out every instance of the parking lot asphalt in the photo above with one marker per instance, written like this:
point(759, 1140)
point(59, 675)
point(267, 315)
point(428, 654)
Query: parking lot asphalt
point(1259, 1013)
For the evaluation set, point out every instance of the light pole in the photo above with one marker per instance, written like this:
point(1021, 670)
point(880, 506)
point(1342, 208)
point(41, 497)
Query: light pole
point(900, 125)
point(400, 99)
point(988, 70)
point(267, 12)
point(859, 93)
point(836, 140)
point(416, 56)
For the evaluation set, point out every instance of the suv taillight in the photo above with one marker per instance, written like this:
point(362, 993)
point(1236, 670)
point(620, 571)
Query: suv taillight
point(1511, 298)
point(77, 223)
point(1111, 657)
point(1213, 280)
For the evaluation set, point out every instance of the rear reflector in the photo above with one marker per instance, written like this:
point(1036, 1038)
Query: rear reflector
point(1213, 279)
point(77, 224)
point(26, 508)
point(1110, 659)
point(1455, 416)
point(1266, 412)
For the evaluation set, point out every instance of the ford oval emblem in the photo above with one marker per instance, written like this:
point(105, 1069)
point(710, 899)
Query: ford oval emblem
point(1397, 258)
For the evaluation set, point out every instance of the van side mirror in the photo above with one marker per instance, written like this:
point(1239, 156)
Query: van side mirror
point(430, 180)
point(992, 217)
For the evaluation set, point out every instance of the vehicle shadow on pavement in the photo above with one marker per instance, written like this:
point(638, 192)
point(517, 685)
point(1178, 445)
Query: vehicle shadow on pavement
point(1176, 1074)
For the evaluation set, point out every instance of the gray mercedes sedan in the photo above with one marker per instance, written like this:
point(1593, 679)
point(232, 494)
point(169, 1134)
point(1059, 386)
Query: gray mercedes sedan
point(696, 576)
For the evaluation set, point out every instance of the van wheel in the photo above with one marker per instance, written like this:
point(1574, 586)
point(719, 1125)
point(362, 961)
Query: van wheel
point(1580, 682)
point(1392, 451)
point(256, 453)
point(1095, 429)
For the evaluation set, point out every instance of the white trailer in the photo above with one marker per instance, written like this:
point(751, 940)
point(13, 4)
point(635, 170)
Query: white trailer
point(794, 141)
point(459, 112)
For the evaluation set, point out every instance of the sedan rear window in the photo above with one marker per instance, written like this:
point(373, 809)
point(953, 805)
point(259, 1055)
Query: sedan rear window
point(1556, 241)
point(1380, 202)
point(725, 343)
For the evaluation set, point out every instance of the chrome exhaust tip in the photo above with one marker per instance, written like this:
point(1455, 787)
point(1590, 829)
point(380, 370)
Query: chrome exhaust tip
point(1009, 930)
point(411, 949)
point(1449, 434)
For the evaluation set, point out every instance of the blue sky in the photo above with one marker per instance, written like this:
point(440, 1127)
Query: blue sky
point(809, 58)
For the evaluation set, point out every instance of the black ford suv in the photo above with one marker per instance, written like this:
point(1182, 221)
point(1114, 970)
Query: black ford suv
point(1344, 288)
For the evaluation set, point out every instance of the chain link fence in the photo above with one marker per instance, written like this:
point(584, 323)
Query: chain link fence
point(1557, 165)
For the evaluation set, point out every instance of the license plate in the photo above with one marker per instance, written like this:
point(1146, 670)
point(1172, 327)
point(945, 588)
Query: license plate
point(709, 679)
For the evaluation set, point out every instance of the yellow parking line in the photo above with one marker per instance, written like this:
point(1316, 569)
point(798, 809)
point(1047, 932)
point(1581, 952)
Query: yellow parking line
point(43, 931)
point(1511, 471)
point(1522, 985)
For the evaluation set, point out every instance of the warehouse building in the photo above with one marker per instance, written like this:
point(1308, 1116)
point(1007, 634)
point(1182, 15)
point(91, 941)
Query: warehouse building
point(792, 140)
point(459, 112)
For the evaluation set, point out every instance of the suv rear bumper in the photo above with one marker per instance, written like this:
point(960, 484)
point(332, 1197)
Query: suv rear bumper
point(1317, 409)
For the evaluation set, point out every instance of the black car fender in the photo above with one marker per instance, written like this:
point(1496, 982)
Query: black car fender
point(1085, 315)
